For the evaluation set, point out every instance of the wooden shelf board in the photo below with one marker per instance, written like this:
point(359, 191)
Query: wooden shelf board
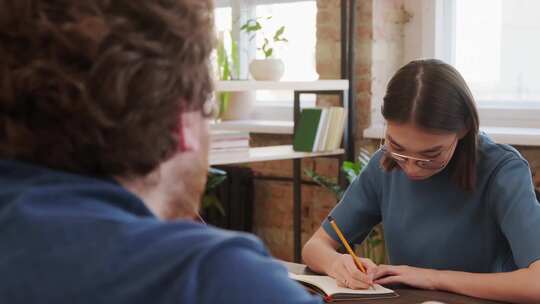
point(265, 154)
point(246, 85)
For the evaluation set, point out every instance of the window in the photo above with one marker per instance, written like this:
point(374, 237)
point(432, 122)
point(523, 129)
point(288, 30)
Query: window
point(496, 50)
point(493, 44)
point(223, 19)
point(298, 54)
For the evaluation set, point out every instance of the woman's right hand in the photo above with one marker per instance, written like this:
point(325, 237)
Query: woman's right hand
point(344, 270)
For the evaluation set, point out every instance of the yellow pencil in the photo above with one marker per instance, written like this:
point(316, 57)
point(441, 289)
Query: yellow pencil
point(346, 244)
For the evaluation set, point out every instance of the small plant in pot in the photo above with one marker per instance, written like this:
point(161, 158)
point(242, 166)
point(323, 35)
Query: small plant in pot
point(238, 104)
point(212, 210)
point(269, 68)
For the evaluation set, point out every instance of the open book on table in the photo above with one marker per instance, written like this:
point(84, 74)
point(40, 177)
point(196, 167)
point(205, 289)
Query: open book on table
point(328, 288)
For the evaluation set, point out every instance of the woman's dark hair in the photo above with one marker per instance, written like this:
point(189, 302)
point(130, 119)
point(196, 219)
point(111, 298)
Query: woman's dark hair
point(433, 96)
point(97, 87)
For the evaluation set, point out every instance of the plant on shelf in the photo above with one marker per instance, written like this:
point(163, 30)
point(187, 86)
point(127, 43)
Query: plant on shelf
point(373, 245)
point(254, 26)
point(210, 201)
point(228, 64)
point(228, 61)
point(232, 105)
point(269, 68)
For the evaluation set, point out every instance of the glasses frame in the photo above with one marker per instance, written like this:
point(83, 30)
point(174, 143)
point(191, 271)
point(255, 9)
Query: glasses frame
point(423, 163)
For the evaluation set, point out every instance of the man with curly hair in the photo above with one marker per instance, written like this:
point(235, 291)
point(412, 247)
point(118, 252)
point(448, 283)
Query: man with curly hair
point(103, 160)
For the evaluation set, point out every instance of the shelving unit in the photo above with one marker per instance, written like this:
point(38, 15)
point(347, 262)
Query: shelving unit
point(247, 85)
point(284, 152)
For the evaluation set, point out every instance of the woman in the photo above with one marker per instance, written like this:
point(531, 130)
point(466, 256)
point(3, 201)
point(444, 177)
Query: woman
point(459, 211)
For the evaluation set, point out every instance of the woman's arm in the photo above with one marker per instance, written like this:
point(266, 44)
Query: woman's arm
point(320, 251)
point(319, 254)
point(356, 214)
point(520, 286)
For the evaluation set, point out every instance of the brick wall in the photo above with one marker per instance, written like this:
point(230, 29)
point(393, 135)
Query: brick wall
point(379, 52)
point(273, 201)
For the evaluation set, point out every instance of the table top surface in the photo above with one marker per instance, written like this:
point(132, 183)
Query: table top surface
point(407, 295)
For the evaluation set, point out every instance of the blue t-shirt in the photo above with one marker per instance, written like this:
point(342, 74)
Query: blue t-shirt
point(434, 224)
point(67, 238)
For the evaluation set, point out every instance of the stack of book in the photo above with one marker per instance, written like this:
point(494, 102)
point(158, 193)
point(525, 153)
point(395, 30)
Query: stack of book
point(230, 142)
point(319, 129)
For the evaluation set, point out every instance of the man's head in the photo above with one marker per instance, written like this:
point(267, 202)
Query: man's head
point(101, 87)
point(97, 87)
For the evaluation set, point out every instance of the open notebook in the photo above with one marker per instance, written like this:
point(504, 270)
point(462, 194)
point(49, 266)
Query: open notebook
point(328, 288)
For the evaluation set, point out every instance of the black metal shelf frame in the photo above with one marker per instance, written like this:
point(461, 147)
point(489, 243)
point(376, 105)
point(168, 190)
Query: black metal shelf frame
point(347, 98)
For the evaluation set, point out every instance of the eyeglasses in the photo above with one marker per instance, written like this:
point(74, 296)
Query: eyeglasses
point(428, 164)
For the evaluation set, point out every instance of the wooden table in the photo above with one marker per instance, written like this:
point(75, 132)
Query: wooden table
point(406, 295)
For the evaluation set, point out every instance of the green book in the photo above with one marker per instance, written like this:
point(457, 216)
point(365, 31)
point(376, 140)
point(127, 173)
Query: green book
point(306, 129)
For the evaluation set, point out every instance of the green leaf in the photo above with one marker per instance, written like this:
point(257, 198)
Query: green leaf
point(223, 101)
point(354, 167)
point(211, 201)
point(235, 58)
point(215, 178)
point(325, 182)
point(351, 170)
point(268, 53)
point(222, 61)
point(252, 25)
point(265, 44)
point(266, 49)
point(226, 73)
point(279, 32)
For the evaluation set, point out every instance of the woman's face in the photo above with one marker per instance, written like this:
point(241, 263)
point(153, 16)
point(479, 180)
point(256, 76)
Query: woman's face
point(419, 153)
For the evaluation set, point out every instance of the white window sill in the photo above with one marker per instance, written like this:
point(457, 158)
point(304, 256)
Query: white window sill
point(504, 135)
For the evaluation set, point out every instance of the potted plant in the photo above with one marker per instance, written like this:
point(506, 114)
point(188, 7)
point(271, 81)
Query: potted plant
point(211, 208)
point(269, 68)
point(232, 105)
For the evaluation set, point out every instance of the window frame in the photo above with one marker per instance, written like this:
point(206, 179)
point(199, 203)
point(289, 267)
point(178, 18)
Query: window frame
point(426, 35)
point(244, 10)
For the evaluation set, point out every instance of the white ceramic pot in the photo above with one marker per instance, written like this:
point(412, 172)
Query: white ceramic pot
point(266, 69)
point(240, 105)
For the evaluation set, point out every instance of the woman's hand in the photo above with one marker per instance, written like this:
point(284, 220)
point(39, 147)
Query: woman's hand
point(348, 275)
point(415, 277)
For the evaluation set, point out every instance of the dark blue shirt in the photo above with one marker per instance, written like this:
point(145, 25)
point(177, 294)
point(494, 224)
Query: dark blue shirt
point(433, 223)
point(67, 238)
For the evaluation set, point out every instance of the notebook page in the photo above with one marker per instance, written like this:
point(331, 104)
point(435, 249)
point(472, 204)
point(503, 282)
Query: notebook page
point(329, 285)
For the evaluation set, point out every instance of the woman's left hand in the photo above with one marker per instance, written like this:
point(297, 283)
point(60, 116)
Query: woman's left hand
point(415, 277)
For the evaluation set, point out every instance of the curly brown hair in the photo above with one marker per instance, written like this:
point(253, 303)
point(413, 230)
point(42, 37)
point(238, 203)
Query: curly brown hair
point(96, 87)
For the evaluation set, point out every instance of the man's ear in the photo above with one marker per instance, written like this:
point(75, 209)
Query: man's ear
point(189, 131)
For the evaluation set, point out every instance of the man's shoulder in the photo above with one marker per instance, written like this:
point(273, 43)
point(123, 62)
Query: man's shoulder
point(187, 235)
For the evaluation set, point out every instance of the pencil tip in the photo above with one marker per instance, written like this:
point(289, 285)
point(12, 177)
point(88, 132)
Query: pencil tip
point(330, 218)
